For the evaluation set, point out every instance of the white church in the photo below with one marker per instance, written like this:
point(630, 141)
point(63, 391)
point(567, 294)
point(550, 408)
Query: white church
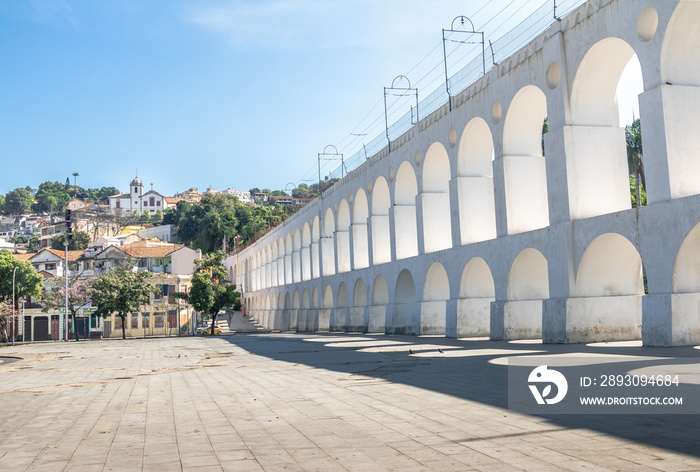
point(136, 200)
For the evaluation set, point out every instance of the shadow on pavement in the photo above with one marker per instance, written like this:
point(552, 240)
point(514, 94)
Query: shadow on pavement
point(476, 370)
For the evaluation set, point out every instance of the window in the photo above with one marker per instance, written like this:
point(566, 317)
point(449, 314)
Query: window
point(153, 201)
point(119, 204)
point(143, 262)
point(136, 190)
point(145, 203)
point(50, 266)
point(158, 203)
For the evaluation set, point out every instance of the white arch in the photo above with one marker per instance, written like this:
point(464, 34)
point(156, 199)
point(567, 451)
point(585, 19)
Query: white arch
point(328, 244)
point(610, 266)
point(381, 236)
point(342, 236)
point(437, 221)
point(359, 293)
point(477, 210)
point(525, 174)
point(405, 231)
point(360, 213)
point(437, 284)
point(404, 299)
point(596, 155)
point(476, 280)
point(686, 270)
point(380, 291)
point(528, 278)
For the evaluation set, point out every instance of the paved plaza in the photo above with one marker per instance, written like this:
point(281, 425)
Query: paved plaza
point(316, 402)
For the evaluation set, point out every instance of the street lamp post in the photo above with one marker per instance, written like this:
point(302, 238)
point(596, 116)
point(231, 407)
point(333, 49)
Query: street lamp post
point(13, 304)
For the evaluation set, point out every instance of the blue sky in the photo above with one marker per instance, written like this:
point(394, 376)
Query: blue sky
point(222, 93)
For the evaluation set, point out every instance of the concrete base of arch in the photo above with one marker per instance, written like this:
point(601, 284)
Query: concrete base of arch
point(433, 317)
point(402, 318)
point(592, 319)
point(324, 320)
point(339, 319)
point(671, 319)
point(518, 319)
point(356, 319)
point(301, 320)
point(473, 317)
point(293, 320)
point(376, 319)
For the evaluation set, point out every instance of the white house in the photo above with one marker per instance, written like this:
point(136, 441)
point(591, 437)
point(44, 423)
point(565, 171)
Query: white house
point(136, 200)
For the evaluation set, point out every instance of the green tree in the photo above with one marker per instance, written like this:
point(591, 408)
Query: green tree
point(254, 190)
point(211, 224)
point(79, 241)
point(157, 218)
point(633, 137)
point(18, 201)
point(121, 291)
point(135, 215)
point(51, 197)
point(302, 191)
point(27, 282)
point(33, 243)
point(211, 291)
point(2, 204)
point(77, 298)
point(21, 239)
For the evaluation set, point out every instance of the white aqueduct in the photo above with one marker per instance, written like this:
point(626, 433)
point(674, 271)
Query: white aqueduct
point(466, 229)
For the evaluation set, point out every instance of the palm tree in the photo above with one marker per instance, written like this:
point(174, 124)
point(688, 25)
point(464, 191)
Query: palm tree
point(75, 179)
point(633, 137)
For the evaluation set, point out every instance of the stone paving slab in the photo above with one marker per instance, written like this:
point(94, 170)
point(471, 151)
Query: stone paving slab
point(310, 402)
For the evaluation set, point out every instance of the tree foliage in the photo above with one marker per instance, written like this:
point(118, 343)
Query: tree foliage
point(18, 201)
point(51, 197)
point(79, 241)
point(633, 138)
point(121, 291)
point(211, 291)
point(27, 282)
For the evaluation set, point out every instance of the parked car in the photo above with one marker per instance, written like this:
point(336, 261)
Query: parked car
point(206, 330)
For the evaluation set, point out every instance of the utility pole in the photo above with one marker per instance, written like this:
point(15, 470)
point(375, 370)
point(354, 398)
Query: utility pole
point(69, 233)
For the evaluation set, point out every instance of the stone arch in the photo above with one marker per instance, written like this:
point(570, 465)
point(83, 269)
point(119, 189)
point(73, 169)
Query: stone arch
point(328, 244)
point(528, 278)
point(677, 127)
point(295, 300)
point(477, 210)
point(288, 259)
point(596, 154)
point(435, 199)
point(528, 285)
point(609, 286)
point(380, 291)
point(280, 301)
point(287, 301)
point(305, 299)
point(381, 235)
point(405, 229)
point(610, 266)
point(685, 302)
point(525, 174)
point(314, 298)
point(476, 292)
point(342, 298)
point(359, 293)
point(342, 237)
point(436, 292)
point(281, 262)
point(328, 297)
point(404, 301)
point(306, 252)
point(296, 256)
point(360, 213)
point(315, 253)
point(686, 270)
point(679, 53)
point(376, 322)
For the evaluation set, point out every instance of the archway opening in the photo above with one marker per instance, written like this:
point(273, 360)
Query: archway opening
point(435, 199)
point(405, 192)
point(476, 292)
point(404, 301)
point(381, 234)
point(360, 212)
point(525, 175)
